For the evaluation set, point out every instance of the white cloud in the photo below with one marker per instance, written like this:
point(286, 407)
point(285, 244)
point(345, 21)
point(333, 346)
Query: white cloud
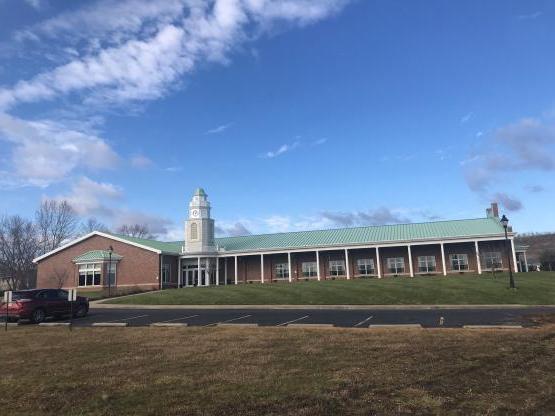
point(466, 118)
point(89, 198)
point(219, 129)
point(320, 142)
point(141, 162)
point(145, 65)
point(530, 16)
point(35, 4)
point(284, 148)
point(44, 151)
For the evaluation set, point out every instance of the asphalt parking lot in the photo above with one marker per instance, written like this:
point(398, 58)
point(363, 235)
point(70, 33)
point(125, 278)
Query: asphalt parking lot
point(452, 318)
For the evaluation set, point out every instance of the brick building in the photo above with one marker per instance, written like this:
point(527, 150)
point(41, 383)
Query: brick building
point(100, 259)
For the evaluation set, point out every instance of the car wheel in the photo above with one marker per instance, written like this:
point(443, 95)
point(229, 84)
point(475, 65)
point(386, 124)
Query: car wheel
point(81, 311)
point(38, 316)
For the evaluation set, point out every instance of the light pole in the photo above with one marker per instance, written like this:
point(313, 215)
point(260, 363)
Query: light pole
point(505, 223)
point(110, 251)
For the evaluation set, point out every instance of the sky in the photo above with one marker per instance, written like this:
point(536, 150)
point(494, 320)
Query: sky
point(292, 114)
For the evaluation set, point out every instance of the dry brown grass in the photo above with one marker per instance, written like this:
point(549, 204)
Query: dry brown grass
point(277, 371)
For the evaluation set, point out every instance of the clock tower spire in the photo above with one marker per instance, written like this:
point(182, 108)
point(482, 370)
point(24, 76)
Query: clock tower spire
point(199, 227)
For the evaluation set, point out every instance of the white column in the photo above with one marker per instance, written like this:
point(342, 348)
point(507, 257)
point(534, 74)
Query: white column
point(225, 270)
point(262, 268)
point(379, 263)
point(207, 271)
point(525, 262)
point(411, 270)
point(290, 270)
point(348, 267)
point(478, 262)
point(443, 260)
point(515, 267)
point(179, 277)
point(236, 271)
point(198, 274)
point(318, 264)
point(217, 271)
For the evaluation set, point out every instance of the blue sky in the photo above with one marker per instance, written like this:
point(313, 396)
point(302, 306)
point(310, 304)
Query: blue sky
point(291, 114)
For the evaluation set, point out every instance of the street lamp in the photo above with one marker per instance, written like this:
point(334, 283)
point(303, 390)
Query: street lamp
point(110, 251)
point(505, 223)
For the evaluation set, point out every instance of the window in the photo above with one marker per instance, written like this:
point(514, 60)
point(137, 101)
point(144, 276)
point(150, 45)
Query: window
point(459, 261)
point(365, 266)
point(426, 264)
point(337, 268)
point(396, 265)
point(194, 231)
point(282, 271)
point(492, 260)
point(89, 274)
point(166, 273)
point(309, 269)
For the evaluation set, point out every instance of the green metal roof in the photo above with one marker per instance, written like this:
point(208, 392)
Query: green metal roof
point(344, 236)
point(96, 255)
point(200, 192)
point(365, 235)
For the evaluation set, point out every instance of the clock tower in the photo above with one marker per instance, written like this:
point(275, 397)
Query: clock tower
point(199, 228)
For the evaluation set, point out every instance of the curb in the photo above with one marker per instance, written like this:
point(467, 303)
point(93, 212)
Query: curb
point(168, 325)
point(316, 307)
point(492, 327)
point(10, 324)
point(230, 325)
point(396, 326)
point(54, 324)
point(111, 324)
point(309, 326)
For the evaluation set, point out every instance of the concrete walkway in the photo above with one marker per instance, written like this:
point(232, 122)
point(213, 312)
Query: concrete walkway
point(101, 305)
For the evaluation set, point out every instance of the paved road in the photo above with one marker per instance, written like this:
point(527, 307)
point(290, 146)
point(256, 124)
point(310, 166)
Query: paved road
point(339, 318)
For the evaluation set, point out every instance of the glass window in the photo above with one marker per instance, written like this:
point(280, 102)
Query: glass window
point(492, 260)
point(459, 261)
point(365, 266)
point(309, 269)
point(426, 264)
point(90, 274)
point(396, 265)
point(282, 271)
point(337, 268)
point(166, 273)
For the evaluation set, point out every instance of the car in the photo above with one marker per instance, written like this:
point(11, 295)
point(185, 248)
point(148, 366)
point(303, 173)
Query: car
point(38, 304)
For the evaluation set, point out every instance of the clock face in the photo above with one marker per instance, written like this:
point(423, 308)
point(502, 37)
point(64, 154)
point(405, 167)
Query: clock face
point(195, 213)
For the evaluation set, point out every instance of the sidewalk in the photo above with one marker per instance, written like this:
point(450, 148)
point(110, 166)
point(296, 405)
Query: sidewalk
point(100, 305)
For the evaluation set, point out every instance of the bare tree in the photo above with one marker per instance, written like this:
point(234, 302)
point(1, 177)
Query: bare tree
point(18, 247)
point(135, 230)
point(547, 260)
point(92, 224)
point(56, 223)
point(59, 277)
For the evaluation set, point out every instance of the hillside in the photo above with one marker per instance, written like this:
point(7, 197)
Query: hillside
point(538, 243)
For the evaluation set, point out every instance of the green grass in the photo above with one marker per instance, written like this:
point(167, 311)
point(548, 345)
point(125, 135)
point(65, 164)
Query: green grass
point(532, 289)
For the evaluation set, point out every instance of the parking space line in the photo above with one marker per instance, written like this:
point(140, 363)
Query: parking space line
point(366, 320)
point(178, 319)
point(127, 319)
point(229, 320)
point(294, 320)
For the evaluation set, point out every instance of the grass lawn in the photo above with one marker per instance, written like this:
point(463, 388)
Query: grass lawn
point(277, 371)
point(532, 289)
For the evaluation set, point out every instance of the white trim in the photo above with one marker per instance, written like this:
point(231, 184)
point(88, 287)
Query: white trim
point(347, 264)
point(478, 262)
point(411, 270)
point(289, 266)
point(444, 265)
point(318, 264)
point(89, 235)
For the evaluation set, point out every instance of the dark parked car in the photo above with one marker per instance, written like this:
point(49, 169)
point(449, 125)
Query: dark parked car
point(37, 304)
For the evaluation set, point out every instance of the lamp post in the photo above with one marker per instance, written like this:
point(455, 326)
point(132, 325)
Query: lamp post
point(505, 223)
point(110, 251)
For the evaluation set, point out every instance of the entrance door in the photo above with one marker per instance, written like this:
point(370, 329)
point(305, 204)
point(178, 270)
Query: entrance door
point(192, 277)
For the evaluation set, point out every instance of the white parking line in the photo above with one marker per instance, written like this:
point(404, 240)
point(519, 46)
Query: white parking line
point(366, 320)
point(178, 319)
point(229, 320)
point(294, 320)
point(127, 319)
